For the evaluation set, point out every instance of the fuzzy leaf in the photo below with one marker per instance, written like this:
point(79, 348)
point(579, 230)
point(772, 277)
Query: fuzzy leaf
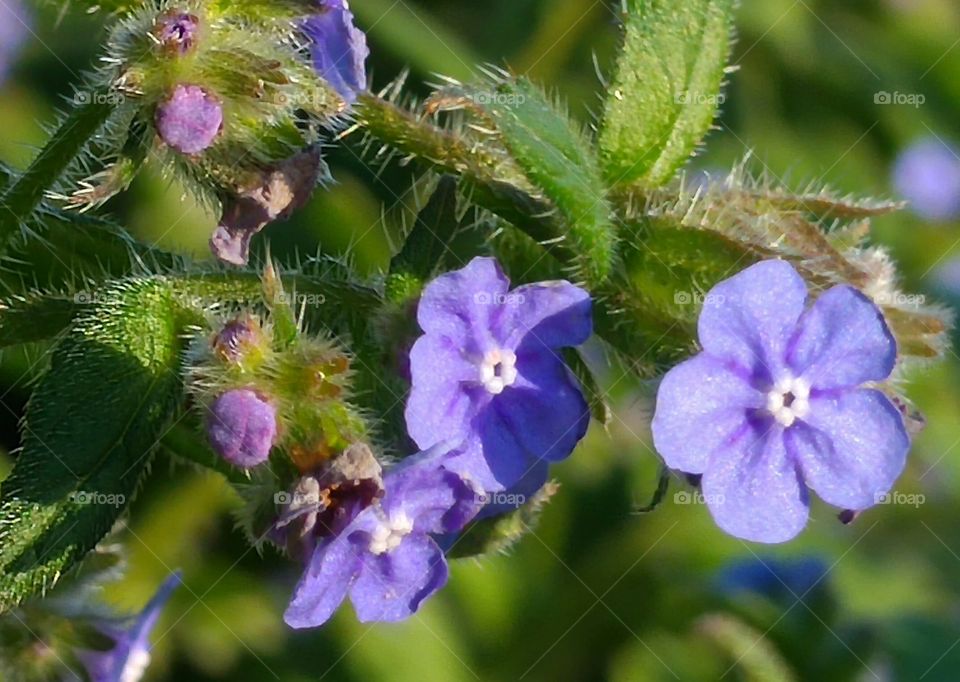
point(559, 161)
point(667, 88)
point(30, 318)
point(90, 428)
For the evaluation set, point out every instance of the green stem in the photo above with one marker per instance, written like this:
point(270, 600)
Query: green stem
point(23, 197)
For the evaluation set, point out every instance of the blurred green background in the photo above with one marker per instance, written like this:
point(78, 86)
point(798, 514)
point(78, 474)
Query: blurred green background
point(599, 592)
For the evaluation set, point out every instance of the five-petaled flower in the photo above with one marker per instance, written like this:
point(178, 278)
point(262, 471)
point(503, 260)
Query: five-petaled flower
point(776, 403)
point(488, 374)
point(385, 559)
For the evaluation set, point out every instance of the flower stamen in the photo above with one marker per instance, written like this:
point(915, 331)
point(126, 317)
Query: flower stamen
point(389, 533)
point(789, 400)
point(498, 370)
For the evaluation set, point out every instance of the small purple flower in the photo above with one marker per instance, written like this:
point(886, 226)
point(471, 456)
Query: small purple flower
point(242, 427)
point(775, 404)
point(129, 657)
point(928, 176)
point(177, 31)
point(190, 119)
point(487, 373)
point(13, 31)
point(386, 559)
point(338, 48)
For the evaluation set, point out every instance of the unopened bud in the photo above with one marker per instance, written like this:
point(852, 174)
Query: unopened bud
point(242, 427)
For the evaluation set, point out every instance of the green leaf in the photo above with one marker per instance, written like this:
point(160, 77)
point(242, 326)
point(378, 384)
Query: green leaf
point(667, 87)
point(90, 429)
point(426, 245)
point(559, 160)
point(34, 317)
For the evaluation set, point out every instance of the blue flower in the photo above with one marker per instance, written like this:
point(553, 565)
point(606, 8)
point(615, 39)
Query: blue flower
point(338, 48)
point(129, 657)
point(775, 404)
point(386, 559)
point(487, 373)
point(13, 30)
point(928, 176)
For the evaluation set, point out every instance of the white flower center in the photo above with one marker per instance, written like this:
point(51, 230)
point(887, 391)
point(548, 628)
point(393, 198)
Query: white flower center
point(498, 369)
point(789, 400)
point(390, 533)
point(136, 666)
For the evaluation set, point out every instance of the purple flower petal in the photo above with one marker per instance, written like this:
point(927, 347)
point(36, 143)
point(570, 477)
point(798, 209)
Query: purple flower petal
point(749, 318)
point(842, 341)
point(544, 394)
point(338, 48)
point(129, 657)
point(928, 176)
point(440, 407)
point(759, 497)
point(392, 585)
point(491, 458)
point(435, 499)
point(851, 448)
point(547, 315)
point(464, 305)
point(702, 409)
point(326, 581)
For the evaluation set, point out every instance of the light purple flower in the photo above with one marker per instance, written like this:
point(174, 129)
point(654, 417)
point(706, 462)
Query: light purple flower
point(488, 374)
point(386, 559)
point(242, 427)
point(190, 119)
point(928, 176)
point(129, 657)
point(775, 404)
point(338, 48)
point(13, 31)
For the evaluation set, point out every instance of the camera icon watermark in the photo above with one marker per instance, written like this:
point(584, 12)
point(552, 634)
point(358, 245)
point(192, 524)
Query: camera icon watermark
point(698, 298)
point(504, 99)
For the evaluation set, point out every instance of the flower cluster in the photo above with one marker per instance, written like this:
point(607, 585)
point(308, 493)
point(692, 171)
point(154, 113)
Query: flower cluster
point(491, 405)
point(776, 403)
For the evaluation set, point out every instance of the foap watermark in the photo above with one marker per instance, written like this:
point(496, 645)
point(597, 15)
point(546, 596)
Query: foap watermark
point(488, 298)
point(897, 98)
point(698, 298)
point(900, 299)
point(503, 499)
point(89, 298)
point(696, 497)
point(294, 498)
point(298, 300)
point(85, 497)
point(112, 97)
point(716, 99)
point(504, 99)
point(914, 500)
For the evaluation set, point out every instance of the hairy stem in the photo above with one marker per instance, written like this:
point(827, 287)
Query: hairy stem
point(23, 197)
